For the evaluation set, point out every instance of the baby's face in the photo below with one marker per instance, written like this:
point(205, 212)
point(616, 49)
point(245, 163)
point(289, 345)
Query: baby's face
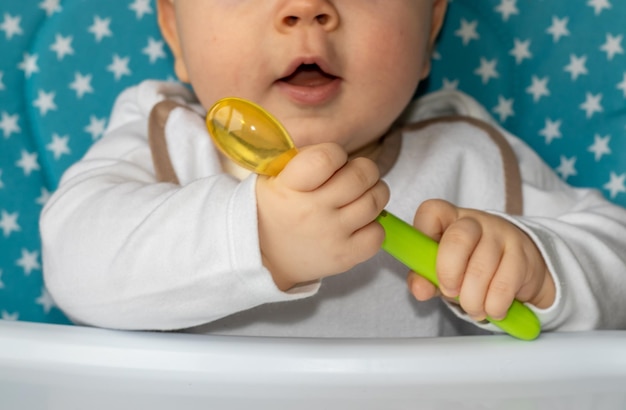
point(329, 70)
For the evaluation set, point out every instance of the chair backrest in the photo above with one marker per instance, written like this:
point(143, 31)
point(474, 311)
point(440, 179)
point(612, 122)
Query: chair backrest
point(553, 73)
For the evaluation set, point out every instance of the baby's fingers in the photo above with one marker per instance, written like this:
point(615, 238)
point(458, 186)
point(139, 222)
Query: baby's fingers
point(482, 268)
point(456, 247)
point(350, 182)
point(504, 285)
point(434, 216)
point(313, 166)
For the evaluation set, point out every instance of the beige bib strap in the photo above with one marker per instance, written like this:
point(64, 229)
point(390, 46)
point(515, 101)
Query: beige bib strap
point(158, 144)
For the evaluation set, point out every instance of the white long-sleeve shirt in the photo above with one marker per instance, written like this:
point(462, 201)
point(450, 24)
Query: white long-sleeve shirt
point(123, 250)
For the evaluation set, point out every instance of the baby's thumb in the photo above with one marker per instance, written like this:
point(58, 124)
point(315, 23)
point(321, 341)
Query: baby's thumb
point(313, 166)
point(421, 288)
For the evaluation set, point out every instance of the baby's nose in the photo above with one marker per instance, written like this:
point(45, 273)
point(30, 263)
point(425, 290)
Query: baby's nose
point(294, 13)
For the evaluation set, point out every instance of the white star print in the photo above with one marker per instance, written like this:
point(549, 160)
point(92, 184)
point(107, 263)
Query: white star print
point(592, 104)
point(8, 223)
point(1, 183)
point(2, 86)
point(487, 69)
point(577, 66)
point(11, 26)
point(62, 46)
point(141, 8)
point(612, 46)
point(567, 168)
point(45, 102)
point(119, 67)
point(45, 300)
point(1, 282)
point(29, 65)
point(521, 50)
point(51, 6)
point(507, 8)
point(100, 28)
point(616, 184)
point(558, 28)
point(599, 5)
point(58, 146)
point(450, 84)
point(28, 162)
point(551, 130)
point(28, 262)
point(504, 108)
point(600, 146)
point(96, 127)
point(11, 317)
point(8, 124)
point(467, 31)
point(82, 84)
point(622, 85)
point(538, 88)
point(43, 198)
point(154, 50)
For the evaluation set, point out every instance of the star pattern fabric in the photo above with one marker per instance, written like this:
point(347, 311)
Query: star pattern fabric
point(64, 62)
point(552, 72)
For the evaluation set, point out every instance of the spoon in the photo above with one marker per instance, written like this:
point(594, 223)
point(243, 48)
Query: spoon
point(251, 137)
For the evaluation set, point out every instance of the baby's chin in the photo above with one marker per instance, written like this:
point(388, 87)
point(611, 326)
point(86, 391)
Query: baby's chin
point(306, 137)
point(305, 132)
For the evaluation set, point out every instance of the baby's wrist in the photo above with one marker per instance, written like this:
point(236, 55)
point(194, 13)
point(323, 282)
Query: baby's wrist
point(282, 281)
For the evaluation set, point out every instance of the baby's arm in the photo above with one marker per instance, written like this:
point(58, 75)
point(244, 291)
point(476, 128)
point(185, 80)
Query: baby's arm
point(122, 250)
point(483, 259)
point(316, 218)
point(581, 238)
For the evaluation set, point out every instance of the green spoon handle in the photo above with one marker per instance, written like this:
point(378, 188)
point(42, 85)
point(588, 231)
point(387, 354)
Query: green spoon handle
point(419, 253)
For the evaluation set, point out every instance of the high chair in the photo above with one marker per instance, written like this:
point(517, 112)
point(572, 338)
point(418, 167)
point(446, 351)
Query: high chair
point(552, 72)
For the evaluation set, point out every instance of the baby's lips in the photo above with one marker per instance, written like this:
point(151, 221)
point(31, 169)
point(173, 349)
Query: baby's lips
point(309, 75)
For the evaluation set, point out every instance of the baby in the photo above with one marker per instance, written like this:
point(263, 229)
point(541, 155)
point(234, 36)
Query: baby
point(153, 229)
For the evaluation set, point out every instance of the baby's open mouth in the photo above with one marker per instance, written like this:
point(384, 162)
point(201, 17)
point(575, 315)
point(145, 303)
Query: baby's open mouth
point(308, 75)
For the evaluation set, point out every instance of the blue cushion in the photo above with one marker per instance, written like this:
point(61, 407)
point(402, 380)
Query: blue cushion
point(58, 81)
point(537, 66)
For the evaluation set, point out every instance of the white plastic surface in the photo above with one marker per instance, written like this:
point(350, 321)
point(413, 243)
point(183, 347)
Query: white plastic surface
point(65, 368)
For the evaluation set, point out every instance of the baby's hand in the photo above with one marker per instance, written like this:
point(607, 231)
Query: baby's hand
point(317, 217)
point(483, 259)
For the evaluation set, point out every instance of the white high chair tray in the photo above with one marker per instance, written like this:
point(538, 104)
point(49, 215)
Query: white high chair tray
point(64, 367)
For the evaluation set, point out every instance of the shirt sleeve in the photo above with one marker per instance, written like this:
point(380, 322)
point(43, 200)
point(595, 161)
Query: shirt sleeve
point(582, 237)
point(122, 250)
